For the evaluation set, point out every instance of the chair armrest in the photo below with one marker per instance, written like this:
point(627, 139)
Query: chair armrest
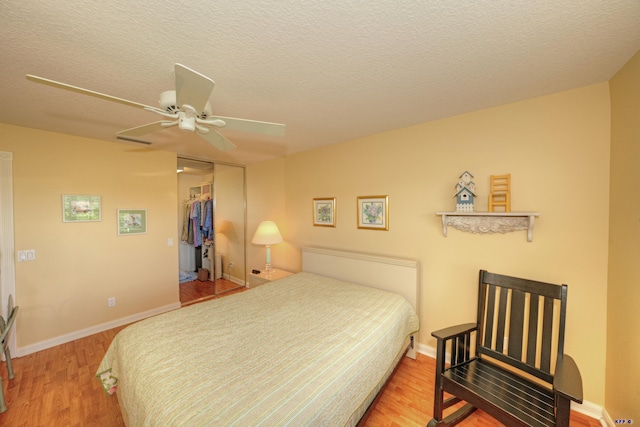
point(452, 331)
point(567, 381)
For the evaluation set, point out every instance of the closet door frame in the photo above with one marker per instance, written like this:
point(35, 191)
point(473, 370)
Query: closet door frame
point(7, 244)
point(239, 258)
point(215, 191)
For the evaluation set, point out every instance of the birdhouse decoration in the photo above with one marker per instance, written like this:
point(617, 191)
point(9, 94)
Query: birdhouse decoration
point(465, 192)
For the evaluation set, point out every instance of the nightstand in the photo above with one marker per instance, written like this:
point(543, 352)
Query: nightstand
point(263, 277)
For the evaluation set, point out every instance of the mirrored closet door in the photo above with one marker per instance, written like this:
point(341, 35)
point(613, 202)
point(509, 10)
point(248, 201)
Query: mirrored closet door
point(211, 228)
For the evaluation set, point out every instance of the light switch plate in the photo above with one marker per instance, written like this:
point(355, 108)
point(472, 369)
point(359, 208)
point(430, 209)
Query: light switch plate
point(28, 255)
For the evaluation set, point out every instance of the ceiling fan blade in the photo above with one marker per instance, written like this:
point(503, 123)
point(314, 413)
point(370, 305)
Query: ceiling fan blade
point(217, 140)
point(77, 89)
point(192, 88)
point(138, 141)
point(145, 129)
point(254, 126)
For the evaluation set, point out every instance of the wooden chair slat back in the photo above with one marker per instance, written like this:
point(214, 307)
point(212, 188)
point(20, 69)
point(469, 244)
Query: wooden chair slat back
point(500, 193)
point(521, 322)
point(500, 184)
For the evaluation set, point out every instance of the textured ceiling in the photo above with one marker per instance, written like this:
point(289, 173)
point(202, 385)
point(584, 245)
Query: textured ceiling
point(330, 70)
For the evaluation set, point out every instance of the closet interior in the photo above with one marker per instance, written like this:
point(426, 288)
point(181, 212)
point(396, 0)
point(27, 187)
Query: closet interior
point(211, 226)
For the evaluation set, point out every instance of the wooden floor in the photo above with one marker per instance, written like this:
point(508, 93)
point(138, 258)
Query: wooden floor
point(57, 387)
point(196, 291)
point(407, 400)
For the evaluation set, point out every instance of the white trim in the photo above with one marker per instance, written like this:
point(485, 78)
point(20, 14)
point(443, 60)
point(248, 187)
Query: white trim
point(62, 339)
point(590, 409)
point(606, 420)
point(427, 350)
point(234, 279)
point(7, 244)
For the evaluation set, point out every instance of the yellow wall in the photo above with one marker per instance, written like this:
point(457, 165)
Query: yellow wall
point(623, 327)
point(556, 148)
point(266, 201)
point(79, 265)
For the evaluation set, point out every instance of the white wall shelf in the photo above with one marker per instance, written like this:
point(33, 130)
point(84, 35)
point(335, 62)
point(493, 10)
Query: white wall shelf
point(489, 222)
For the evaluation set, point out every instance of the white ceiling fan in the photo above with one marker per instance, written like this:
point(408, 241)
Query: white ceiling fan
point(187, 107)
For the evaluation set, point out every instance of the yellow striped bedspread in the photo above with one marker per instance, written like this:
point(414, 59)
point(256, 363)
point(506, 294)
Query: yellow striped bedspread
point(303, 350)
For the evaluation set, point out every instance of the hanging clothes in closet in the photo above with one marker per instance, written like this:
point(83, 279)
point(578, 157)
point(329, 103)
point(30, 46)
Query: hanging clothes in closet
point(197, 224)
point(196, 208)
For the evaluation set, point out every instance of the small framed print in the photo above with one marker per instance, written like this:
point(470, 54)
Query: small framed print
point(132, 221)
point(373, 212)
point(80, 208)
point(324, 212)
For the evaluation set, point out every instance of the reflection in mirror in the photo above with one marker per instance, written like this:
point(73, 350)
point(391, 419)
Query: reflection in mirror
point(214, 263)
point(229, 222)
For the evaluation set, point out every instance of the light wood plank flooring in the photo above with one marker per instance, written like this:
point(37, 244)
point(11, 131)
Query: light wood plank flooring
point(196, 290)
point(57, 387)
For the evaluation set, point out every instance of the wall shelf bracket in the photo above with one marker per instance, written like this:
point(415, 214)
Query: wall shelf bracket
point(489, 222)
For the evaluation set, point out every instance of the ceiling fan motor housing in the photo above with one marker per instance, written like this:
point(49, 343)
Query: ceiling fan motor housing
point(168, 103)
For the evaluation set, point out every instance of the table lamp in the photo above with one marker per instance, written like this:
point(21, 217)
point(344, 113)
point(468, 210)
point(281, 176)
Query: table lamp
point(267, 234)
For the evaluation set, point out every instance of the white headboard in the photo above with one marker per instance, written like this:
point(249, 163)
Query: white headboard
point(398, 275)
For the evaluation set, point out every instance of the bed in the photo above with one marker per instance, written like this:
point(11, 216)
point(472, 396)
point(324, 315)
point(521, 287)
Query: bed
point(308, 349)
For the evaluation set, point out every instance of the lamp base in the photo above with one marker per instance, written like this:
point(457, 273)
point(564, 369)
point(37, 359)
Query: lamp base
point(267, 268)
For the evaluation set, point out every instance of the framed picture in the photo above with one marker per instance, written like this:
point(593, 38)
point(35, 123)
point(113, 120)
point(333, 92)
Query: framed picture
point(80, 208)
point(132, 221)
point(373, 212)
point(324, 212)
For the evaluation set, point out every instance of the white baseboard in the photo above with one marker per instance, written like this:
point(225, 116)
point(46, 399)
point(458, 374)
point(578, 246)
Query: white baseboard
point(427, 350)
point(62, 339)
point(590, 409)
point(234, 279)
point(586, 408)
point(606, 420)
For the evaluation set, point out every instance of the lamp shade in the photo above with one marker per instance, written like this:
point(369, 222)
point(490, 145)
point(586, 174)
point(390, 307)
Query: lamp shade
point(267, 234)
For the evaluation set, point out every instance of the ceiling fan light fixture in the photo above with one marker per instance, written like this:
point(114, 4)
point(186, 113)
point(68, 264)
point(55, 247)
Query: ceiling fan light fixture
point(187, 123)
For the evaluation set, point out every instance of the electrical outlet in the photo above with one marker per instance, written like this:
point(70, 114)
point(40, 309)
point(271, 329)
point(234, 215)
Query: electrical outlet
point(111, 301)
point(231, 265)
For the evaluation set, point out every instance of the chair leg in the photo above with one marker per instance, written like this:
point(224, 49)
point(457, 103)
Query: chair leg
point(563, 412)
point(438, 393)
point(3, 404)
point(7, 356)
point(454, 418)
point(438, 398)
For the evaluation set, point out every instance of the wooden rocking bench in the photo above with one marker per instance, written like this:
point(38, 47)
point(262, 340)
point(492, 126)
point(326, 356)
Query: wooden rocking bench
point(511, 363)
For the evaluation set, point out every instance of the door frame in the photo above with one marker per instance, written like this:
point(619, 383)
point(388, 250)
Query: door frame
point(7, 244)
